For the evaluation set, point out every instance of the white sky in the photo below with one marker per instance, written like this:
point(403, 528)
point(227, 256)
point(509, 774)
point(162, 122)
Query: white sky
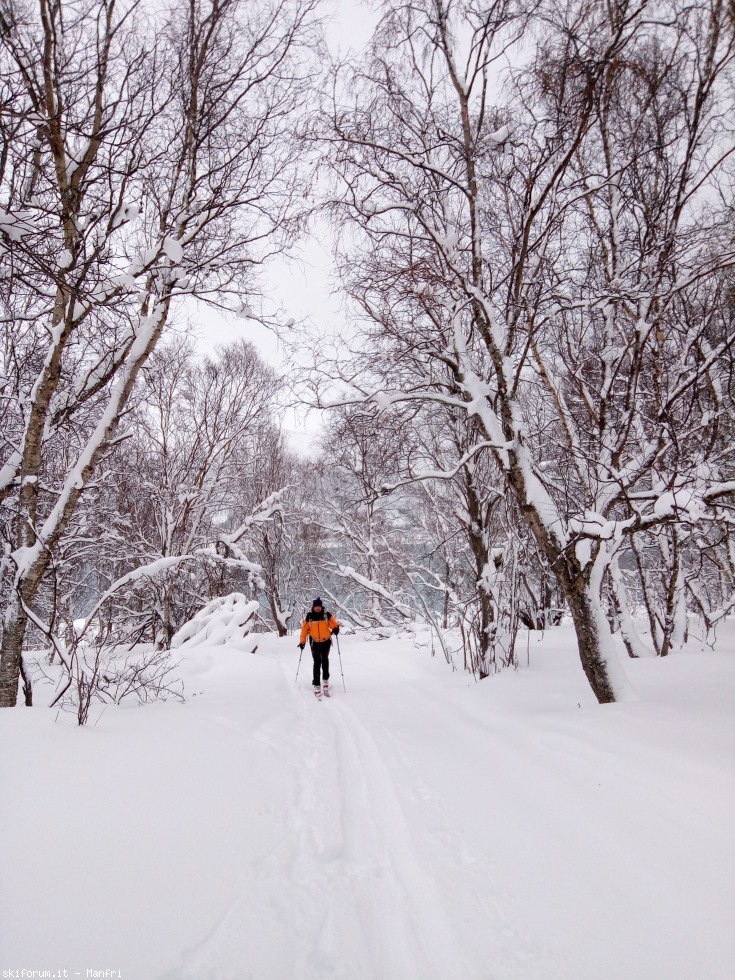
point(301, 286)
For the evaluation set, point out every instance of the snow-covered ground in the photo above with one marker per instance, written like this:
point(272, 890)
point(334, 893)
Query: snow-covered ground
point(419, 827)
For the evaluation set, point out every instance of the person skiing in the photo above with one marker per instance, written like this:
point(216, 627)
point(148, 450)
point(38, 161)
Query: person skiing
point(319, 626)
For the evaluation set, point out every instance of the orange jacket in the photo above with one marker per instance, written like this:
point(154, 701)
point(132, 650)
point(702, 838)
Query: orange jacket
point(318, 629)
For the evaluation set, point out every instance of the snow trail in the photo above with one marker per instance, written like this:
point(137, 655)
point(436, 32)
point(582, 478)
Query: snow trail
point(419, 827)
point(344, 879)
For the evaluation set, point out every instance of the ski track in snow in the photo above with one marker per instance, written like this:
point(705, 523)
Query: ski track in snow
point(357, 889)
point(358, 854)
point(418, 827)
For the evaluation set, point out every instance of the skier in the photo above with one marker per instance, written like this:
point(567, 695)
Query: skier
point(319, 626)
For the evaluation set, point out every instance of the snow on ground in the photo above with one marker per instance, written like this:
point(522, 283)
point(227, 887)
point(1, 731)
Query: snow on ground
point(419, 827)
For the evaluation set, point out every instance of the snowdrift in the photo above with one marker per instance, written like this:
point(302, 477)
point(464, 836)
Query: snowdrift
point(225, 621)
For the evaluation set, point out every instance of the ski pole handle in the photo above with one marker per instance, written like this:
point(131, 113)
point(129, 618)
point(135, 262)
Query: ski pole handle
point(301, 650)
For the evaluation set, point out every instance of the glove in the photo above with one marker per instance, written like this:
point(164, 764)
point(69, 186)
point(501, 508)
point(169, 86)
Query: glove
point(335, 631)
point(301, 646)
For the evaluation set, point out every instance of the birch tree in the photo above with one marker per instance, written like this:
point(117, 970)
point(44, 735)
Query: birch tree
point(276, 544)
point(138, 172)
point(361, 526)
point(179, 481)
point(553, 248)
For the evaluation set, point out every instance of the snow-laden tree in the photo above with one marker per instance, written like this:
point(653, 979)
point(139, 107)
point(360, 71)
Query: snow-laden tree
point(499, 580)
point(147, 155)
point(182, 484)
point(276, 545)
point(169, 526)
point(545, 256)
point(363, 531)
point(416, 526)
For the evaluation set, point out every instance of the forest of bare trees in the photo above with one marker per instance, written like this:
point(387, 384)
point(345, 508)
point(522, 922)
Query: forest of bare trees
point(529, 415)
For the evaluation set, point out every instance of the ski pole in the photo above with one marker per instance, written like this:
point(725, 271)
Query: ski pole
point(339, 654)
point(298, 668)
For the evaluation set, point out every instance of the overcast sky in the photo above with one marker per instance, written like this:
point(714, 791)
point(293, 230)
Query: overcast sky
point(301, 286)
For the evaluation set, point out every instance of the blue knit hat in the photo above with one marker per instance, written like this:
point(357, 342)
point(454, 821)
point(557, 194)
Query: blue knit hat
point(317, 602)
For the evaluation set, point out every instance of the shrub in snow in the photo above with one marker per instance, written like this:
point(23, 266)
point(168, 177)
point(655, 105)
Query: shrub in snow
point(89, 671)
point(225, 621)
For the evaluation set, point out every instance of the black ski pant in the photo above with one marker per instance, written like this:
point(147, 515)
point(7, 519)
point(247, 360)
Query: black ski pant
point(320, 656)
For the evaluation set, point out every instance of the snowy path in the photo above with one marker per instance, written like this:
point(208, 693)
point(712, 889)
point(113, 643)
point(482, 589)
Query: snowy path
point(344, 882)
point(420, 827)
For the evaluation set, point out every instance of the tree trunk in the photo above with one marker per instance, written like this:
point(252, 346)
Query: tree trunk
point(673, 629)
point(594, 641)
point(628, 630)
point(12, 652)
point(477, 537)
point(276, 613)
point(445, 605)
